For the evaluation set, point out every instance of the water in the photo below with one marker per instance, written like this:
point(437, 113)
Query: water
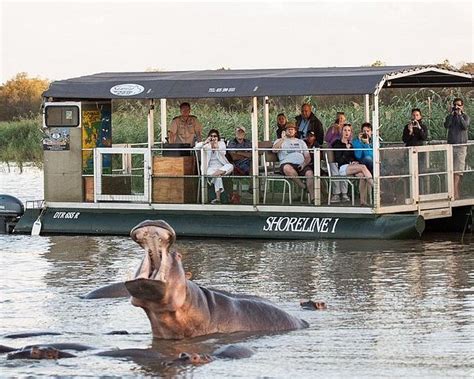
point(395, 308)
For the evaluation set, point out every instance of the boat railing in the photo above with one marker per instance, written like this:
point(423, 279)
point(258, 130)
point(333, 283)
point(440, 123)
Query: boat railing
point(408, 177)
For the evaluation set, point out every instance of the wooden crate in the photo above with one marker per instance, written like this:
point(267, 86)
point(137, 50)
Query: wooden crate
point(111, 185)
point(174, 190)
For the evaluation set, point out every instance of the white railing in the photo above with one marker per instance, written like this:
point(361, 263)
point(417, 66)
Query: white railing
point(415, 175)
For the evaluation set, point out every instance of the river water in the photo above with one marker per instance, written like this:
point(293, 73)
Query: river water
point(395, 308)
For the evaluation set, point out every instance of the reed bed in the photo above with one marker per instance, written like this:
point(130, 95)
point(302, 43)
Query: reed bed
point(20, 141)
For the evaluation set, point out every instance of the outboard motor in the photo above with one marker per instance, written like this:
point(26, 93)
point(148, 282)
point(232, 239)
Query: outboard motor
point(11, 209)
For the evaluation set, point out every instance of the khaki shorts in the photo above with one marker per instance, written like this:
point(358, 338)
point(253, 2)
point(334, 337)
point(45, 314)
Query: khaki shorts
point(459, 159)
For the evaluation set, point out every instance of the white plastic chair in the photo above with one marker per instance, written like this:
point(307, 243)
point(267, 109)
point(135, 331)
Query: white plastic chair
point(335, 179)
point(272, 174)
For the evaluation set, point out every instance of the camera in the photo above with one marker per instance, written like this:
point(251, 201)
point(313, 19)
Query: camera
point(365, 136)
point(414, 123)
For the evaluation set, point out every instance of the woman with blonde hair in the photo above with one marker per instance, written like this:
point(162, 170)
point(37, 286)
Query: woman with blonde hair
point(348, 165)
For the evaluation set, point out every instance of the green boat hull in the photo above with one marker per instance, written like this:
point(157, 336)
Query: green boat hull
point(222, 224)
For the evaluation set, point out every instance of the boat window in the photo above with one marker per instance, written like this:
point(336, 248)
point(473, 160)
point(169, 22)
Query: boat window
point(61, 115)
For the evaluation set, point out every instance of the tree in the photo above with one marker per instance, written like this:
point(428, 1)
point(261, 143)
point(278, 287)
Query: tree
point(378, 63)
point(21, 96)
point(467, 67)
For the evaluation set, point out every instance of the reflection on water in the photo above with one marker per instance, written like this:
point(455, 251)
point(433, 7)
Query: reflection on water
point(396, 308)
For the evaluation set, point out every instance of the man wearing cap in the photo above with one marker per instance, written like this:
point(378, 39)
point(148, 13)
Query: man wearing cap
point(294, 158)
point(240, 153)
point(185, 128)
point(307, 121)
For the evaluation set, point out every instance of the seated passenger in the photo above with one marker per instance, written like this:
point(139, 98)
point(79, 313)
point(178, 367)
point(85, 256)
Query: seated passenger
point(334, 132)
point(281, 124)
point(240, 159)
point(364, 141)
point(217, 164)
point(349, 166)
point(339, 188)
point(310, 141)
point(294, 158)
point(415, 132)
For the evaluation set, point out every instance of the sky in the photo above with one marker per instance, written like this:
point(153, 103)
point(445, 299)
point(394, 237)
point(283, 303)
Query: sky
point(64, 39)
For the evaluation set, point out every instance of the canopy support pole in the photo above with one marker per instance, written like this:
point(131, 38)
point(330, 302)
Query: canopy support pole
point(266, 118)
point(151, 124)
point(164, 129)
point(254, 121)
point(367, 107)
point(376, 152)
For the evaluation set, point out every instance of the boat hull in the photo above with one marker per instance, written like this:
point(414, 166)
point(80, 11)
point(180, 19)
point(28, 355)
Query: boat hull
point(223, 224)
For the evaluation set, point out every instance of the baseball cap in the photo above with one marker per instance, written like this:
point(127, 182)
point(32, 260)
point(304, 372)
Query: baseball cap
point(311, 133)
point(240, 128)
point(290, 125)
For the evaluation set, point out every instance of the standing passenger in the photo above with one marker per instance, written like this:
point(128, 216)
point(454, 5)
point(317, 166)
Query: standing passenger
point(308, 121)
point(457, 123)
point(415, 132)
point(185, 128)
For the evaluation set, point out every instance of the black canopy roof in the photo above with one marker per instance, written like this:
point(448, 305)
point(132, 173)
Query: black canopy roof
point(246, 83)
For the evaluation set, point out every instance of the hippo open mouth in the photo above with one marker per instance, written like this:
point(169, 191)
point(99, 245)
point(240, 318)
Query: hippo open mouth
point(156, 237)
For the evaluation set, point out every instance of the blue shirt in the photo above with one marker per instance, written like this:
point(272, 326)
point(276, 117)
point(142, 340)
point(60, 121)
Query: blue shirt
point(360, 154)
point(303, 128)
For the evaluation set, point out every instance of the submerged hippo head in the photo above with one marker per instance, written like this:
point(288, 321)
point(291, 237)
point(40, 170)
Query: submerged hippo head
point(191, 358)
point(160, 282)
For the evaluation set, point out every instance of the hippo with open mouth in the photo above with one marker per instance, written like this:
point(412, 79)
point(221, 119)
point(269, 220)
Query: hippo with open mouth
point(178, 308)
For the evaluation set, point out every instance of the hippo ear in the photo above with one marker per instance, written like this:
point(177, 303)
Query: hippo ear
point(146, 289)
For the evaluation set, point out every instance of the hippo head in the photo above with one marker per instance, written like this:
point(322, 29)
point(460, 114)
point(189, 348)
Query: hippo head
point(160, 282)
point(190, 358)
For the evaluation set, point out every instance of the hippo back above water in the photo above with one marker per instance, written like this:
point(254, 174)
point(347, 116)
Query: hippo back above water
point(178, 308)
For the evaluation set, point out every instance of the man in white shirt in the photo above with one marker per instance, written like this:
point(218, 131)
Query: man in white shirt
point(294, 158)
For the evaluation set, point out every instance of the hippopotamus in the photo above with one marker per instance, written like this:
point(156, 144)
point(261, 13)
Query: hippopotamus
point(225, 352)
point(178, 308)
point(39, 352)
point(311, 305)
point(53, 351)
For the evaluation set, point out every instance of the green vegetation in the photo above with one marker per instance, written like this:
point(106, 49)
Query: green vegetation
point(130, 118)
point(20, 142)
point(21, 134)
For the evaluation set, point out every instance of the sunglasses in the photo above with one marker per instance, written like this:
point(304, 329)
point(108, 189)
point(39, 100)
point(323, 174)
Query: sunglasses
point(213, 135)
point(458, 105)
point(347, 124)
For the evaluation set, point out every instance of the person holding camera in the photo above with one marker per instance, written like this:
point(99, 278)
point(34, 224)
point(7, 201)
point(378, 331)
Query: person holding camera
point(217, 164)
point(415, 132)
point(457, 123)
point(363, 146)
